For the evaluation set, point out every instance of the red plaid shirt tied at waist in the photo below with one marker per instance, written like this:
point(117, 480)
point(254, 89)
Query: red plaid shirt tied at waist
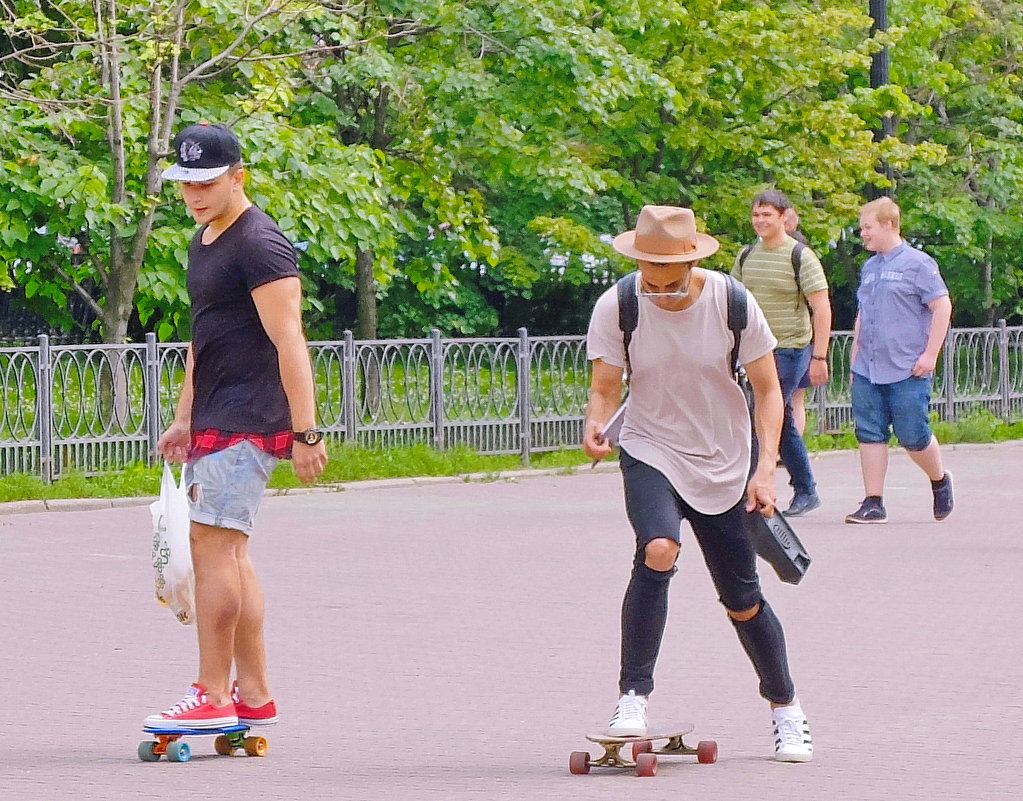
point(211, 440)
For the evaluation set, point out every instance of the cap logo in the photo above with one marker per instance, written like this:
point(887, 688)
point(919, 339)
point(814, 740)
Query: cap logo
point(190, 151)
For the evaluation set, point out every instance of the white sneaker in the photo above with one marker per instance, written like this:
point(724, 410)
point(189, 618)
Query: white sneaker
point(629, 719)
point(792, 741)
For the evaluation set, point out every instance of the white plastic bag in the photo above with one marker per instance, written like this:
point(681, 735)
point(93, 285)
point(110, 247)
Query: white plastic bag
point(172, 553)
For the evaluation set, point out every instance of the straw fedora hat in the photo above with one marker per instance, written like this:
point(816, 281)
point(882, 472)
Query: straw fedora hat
point(665, 234)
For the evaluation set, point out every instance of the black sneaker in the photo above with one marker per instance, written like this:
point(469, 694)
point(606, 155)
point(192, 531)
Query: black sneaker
point(801, 504)
point(870, 511)
point(943, 501)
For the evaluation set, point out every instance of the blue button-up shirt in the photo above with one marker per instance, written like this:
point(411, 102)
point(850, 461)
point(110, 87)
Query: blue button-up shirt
point(895, 321)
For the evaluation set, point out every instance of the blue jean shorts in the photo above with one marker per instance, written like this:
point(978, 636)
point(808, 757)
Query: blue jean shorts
point(225, 488)
point(880, 408)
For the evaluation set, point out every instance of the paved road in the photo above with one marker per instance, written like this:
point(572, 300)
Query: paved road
point(454, 640)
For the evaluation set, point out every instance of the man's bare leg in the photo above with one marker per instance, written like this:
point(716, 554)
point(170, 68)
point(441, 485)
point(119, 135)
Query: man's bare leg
point(929, 460)
point(249, 643)
point(218, 603)
point(874, 466)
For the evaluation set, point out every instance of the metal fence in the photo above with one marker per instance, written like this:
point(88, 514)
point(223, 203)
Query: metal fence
point(95, 408)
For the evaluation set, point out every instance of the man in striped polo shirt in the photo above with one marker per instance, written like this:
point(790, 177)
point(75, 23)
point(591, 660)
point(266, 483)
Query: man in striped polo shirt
point(768, 272)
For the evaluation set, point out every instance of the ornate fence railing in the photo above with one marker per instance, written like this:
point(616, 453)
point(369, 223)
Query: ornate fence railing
point(94, 408)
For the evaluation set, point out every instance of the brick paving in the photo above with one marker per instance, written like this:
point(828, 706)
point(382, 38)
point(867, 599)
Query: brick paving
point(454, 640)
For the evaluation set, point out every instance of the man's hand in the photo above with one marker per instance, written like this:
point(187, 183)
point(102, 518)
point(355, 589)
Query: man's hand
point(924, 365)
point(760, 492)
point(173, 445)
point(594, 445)
point(605, 397)
point(308, 460)
point(819, 372)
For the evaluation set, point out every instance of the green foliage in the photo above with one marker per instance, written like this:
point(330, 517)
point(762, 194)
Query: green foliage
point(482, 152)
point(961, 62)
point(845, 439)
point(978, 425)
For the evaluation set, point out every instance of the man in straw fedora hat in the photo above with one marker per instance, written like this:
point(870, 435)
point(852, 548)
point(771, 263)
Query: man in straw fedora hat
point(685, 455)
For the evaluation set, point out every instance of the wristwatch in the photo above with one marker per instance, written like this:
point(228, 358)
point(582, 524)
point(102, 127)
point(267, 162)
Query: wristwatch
point(819, 358)
point(311, 436)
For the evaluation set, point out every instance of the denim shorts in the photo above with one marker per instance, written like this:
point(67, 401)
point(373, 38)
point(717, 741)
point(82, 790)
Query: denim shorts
point(225, 488)
point(880, 408)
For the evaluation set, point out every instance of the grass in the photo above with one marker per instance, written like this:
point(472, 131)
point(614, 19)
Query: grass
point(351, 463)
point(347, 463)
point(979, 425)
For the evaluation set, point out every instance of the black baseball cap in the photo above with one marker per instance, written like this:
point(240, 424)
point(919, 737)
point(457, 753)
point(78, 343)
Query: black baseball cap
point(202, 153)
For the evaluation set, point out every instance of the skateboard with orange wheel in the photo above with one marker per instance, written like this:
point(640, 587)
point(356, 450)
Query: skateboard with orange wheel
point(228, 740)
point(644, 755)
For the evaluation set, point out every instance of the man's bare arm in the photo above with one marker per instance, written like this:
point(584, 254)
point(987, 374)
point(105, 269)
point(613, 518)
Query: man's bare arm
point(279, 304)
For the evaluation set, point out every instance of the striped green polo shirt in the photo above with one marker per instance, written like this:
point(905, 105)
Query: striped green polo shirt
point(768, 274)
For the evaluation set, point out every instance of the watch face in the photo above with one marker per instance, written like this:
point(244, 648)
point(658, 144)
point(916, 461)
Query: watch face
point(310, 437)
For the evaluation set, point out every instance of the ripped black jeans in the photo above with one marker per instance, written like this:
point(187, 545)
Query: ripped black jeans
point(656, 510)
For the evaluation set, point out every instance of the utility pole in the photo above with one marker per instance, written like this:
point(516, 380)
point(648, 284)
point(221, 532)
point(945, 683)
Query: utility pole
point(879, 77)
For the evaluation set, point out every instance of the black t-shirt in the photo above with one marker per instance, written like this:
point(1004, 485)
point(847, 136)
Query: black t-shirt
point(237, 381)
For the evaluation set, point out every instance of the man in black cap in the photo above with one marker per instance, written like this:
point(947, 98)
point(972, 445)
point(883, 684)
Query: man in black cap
point(247, 400)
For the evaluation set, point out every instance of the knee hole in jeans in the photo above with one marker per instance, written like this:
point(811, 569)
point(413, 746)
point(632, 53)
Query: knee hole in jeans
point(743, 615)
point(661, 554)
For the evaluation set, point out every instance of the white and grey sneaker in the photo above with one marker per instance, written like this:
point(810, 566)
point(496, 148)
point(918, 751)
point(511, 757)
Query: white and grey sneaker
point(629, 719)
point(792, 741)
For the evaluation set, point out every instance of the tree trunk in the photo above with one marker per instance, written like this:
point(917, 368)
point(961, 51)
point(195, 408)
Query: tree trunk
point(366, 296)
point(366, 328)
point(987, 281)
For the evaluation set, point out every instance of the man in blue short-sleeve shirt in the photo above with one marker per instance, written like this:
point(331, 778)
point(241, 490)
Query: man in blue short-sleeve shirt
point(902, 318)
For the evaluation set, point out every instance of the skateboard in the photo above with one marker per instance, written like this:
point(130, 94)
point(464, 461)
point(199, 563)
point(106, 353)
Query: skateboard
point(644, 756)
point(229, 739)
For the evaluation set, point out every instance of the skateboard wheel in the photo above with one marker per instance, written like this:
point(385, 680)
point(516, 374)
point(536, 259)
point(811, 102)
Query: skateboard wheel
point(642, 747)
point(706, 752)
point(178, 751)
point(222, 745)
point(646, 764)
point(147, 751)
point(579, 762)
point(256, 746)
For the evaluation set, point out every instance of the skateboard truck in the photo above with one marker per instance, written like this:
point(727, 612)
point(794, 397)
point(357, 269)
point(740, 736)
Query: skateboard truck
point(644, 755)
point(228, 740)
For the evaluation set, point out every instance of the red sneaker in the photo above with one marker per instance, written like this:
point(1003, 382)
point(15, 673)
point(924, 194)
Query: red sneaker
point(265, 715)
point(194, 711)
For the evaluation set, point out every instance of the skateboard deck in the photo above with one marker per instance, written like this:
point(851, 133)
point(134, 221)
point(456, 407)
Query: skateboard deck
point(228, 740)
point(644, 755)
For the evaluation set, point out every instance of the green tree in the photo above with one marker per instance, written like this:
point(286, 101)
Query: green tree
point(961, 63)
point(93, 93)
point(460, 164)
point(470, 107)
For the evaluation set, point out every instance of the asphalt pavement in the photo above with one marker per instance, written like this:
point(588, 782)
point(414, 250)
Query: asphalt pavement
point(453, 639)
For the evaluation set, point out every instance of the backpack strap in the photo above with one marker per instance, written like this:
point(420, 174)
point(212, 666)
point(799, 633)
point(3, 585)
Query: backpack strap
point(628, 313)
point(797, 264)
point(744, 253)
point(737, 318)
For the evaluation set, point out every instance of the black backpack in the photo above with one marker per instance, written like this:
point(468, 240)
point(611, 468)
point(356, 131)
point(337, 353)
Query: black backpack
point(797, 263)
point(628, 315)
